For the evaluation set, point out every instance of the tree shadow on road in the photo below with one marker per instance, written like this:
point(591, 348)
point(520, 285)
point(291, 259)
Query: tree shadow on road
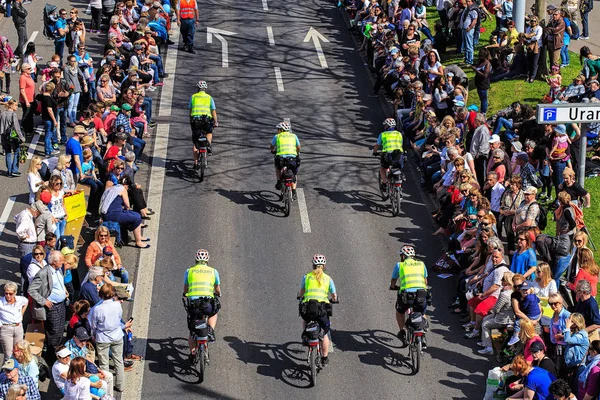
point(264, 201)
point(280, 361)
point(359, 200)
point(377, 347)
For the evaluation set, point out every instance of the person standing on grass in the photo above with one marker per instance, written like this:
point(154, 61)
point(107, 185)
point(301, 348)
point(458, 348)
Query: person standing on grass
point(483, 71)
point(19, 16)
point(468, 21)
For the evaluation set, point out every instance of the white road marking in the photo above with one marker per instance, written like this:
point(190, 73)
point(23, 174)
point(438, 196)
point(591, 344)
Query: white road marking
point(303, 211)
point(265, 5)
point(6, 213)
point(278, 79)
point(270, 34)
point(224, 46)
point(32, 146)
point(31, 38)
point(316, 37)
point(145, 274)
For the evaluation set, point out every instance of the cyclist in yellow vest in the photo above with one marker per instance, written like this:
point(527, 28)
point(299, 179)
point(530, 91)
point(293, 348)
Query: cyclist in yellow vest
point(203, 117)
point(412, 276)
point(200, 285)
point(286, 147)
point(390, 143)
point(315, 289)
point(187, 19)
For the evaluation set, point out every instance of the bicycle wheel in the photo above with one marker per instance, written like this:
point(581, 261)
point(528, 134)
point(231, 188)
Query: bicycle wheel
point(398, 202)
point(416, 348)
point(203, 165)
point(287, 201)
point(312, 360)
point(201, 363)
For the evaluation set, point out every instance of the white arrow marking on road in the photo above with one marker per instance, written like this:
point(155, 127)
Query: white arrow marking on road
point(265, 5)
point(316, 37)
point(218, 34)
point(278, 79)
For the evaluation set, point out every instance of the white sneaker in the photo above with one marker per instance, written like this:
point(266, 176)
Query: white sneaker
point(473, 335)
point(480, 344)
point(513, 340)
point(584, 37)
point(486, 351)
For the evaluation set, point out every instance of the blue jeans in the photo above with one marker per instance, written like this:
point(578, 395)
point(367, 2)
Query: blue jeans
point(8, 7)
point(584, 24)
point(188, 29)
point(564, 55)
point(138, 147)
point(62, 115)
point(59, 48)
point(159, 64)
point(468, 37)
point(96, 190)
point(155, 75)
point(483, 97)
point(123, 274)
point(92, 89)
point(60, 229)
point(425, 30)
point(502, 123)
point(148, 107)
point(49, 135)
point(72, 107)
point(12, 161)
point(557, 173)
point(561, 266)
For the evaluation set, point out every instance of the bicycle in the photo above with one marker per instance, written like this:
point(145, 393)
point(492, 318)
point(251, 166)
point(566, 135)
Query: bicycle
point(287, 180)
point(312, 337)
point(393, 186)
point(200, 336)
point(415, 326)
point(201, 144)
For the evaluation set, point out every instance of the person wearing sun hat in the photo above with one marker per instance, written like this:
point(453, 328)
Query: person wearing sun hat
point(559, 156)
point(11, 376)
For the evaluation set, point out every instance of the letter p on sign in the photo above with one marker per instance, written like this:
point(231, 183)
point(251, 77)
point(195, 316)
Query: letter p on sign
point(550, 114)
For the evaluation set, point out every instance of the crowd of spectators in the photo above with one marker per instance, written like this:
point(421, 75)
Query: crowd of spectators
point(497, 179)
point(99, 107)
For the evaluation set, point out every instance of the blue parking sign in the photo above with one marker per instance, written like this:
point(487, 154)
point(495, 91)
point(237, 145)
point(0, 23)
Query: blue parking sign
point(549, 114)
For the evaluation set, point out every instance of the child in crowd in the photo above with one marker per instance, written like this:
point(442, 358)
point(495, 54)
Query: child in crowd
point(554, 80)
point(529, 307)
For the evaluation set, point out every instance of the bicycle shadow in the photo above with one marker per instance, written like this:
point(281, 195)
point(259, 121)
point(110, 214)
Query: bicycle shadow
point(376, 347)
point(170, 356)
point(279, 361)
point(359, 200)
point(264, 201)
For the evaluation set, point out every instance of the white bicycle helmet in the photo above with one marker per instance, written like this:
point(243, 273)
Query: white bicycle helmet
point(390, 122)
point(202, 85)
point(202, 255)
point(408, 250)
point(319, 259)
point(284, 126)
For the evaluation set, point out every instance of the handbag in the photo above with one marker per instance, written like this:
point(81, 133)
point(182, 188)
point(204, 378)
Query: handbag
point(11, 133)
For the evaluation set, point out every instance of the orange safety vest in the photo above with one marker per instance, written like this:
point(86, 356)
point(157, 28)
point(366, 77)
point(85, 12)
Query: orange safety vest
point(186, 9)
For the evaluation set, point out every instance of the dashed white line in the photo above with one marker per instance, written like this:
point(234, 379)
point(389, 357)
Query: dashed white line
point(6, 213)
point(265, 5)
point(145, 275)
point(278, 79)
point(270, 34)
point(303, 211)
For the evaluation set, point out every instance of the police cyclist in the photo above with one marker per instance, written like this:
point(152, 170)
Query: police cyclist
point(286, 147)
point(201, 284)
point(390, 143)
point(315, 290)
point(412, 275)
point(203, 117)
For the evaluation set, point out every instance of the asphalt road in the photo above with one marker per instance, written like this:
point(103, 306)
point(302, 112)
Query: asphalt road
point(261, 256)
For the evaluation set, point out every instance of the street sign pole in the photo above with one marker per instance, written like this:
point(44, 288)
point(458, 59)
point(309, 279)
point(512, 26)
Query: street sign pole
point(582, 113)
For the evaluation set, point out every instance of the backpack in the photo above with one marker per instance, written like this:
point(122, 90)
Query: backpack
point(43, 367)
point(575, 32)
point(542, 218)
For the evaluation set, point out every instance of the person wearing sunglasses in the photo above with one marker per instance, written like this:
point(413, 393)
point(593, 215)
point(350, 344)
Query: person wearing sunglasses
point(12, 309)
point(61, 29)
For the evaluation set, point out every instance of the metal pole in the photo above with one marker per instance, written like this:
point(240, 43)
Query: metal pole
point(582, 154)
point(519, 15)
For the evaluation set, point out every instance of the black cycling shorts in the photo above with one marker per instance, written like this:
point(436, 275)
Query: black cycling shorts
point(403, 304)
point(290, 162)
point(200, 124)
point(318, 314)
point(391, 159)
point(199, 308)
